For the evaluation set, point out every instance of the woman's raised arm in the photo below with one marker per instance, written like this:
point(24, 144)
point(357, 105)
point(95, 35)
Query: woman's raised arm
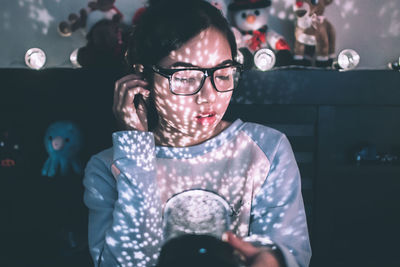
point(124, 204)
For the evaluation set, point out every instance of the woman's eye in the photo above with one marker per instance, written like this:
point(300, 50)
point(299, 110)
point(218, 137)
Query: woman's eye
point(223, 77)
point(243, 15)
point(257, 12)
point(186, 80)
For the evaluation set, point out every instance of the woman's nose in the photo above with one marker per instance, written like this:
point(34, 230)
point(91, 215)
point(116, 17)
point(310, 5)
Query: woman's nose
point(207, 93)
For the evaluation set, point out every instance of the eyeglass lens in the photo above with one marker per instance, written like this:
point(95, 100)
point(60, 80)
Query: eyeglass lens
point(190, 81)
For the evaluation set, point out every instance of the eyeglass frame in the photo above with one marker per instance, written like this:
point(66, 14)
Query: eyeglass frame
point(207, 72)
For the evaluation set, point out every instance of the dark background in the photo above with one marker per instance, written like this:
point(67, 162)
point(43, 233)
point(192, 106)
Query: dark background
point(352, 209)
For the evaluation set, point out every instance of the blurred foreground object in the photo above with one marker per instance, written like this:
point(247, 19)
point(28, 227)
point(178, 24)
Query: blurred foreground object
point(197, 251)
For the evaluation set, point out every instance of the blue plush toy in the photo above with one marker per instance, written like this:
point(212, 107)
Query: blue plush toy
point(63, 141)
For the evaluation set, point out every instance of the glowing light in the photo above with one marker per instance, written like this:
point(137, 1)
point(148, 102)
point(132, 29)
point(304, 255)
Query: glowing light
point(348, 59)
point(395, 65)
point(74, 58)
point(35, 58)
point(264, 59)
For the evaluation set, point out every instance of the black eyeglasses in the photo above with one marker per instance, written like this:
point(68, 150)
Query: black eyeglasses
point(189, 81)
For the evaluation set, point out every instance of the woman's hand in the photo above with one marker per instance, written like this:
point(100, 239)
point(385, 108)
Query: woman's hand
point(127, 89)
point(251, 255)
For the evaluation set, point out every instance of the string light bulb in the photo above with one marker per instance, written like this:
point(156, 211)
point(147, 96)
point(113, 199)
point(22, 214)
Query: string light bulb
point(348, 59)
point(264, 59)
point(35, 58)
point(394, 65)
point(74, 58)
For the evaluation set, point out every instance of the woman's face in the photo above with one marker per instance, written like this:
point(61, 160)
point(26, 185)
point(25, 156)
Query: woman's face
point(188, 120)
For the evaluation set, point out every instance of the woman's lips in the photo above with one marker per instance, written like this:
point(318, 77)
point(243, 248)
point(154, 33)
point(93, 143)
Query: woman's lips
point(206, 118)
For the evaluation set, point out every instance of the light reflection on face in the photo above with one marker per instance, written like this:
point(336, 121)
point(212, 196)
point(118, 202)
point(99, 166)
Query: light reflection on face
point(190, 120)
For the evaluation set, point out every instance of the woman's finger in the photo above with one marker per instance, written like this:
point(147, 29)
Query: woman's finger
point(123, 91)
point(244, 248)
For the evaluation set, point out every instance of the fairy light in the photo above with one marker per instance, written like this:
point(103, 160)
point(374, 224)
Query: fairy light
point(35, 58)
point(348, 59)
point(74, 58)
point(395, 65)
point(264, 59)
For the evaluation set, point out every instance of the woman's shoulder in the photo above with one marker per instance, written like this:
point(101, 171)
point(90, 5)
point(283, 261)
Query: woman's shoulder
point(261, 132)
point(267, 138)
point(102, 157)
point(100, 164)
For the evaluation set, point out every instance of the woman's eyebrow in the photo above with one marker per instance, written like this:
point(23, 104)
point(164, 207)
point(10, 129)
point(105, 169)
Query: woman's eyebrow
point(189, 65)
point(183, 64)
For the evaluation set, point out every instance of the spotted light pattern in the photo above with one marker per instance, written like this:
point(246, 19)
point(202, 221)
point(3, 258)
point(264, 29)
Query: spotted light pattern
point(198, 212)
point(251, 166)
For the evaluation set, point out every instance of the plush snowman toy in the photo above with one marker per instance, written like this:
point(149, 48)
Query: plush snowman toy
point(251, 18)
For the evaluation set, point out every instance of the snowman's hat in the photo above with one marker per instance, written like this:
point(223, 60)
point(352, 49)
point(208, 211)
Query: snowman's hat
point(248, 4)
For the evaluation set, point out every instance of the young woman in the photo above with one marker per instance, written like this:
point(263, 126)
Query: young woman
point(185, 53)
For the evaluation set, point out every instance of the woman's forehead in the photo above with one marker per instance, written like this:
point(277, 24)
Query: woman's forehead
point(207, 49)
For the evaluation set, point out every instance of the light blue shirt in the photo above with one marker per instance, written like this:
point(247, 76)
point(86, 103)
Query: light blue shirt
point(252, 166)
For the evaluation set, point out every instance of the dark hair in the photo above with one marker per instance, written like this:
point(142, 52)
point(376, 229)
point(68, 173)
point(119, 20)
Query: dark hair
point(168, 24)
point(165, 26)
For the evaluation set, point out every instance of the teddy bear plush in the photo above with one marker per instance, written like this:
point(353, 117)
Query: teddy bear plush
point(314, 34)
point(98, 10)
point(251, 18)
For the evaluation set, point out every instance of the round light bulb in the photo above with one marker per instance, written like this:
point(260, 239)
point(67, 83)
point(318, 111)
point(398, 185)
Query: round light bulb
point(264, 59)
point(74, 58)
point(348, 59)
point(394, 65)
point(35, 58)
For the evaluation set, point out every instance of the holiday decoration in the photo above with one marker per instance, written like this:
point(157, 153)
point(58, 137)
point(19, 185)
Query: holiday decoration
point(264, 59)
point(92, 13)
point(63, 141)
point(395, 65)
point(314, 34)
point(221, 5)
point(35, 58)
point(251, 18)
point(348, 59)
point(106, 42)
